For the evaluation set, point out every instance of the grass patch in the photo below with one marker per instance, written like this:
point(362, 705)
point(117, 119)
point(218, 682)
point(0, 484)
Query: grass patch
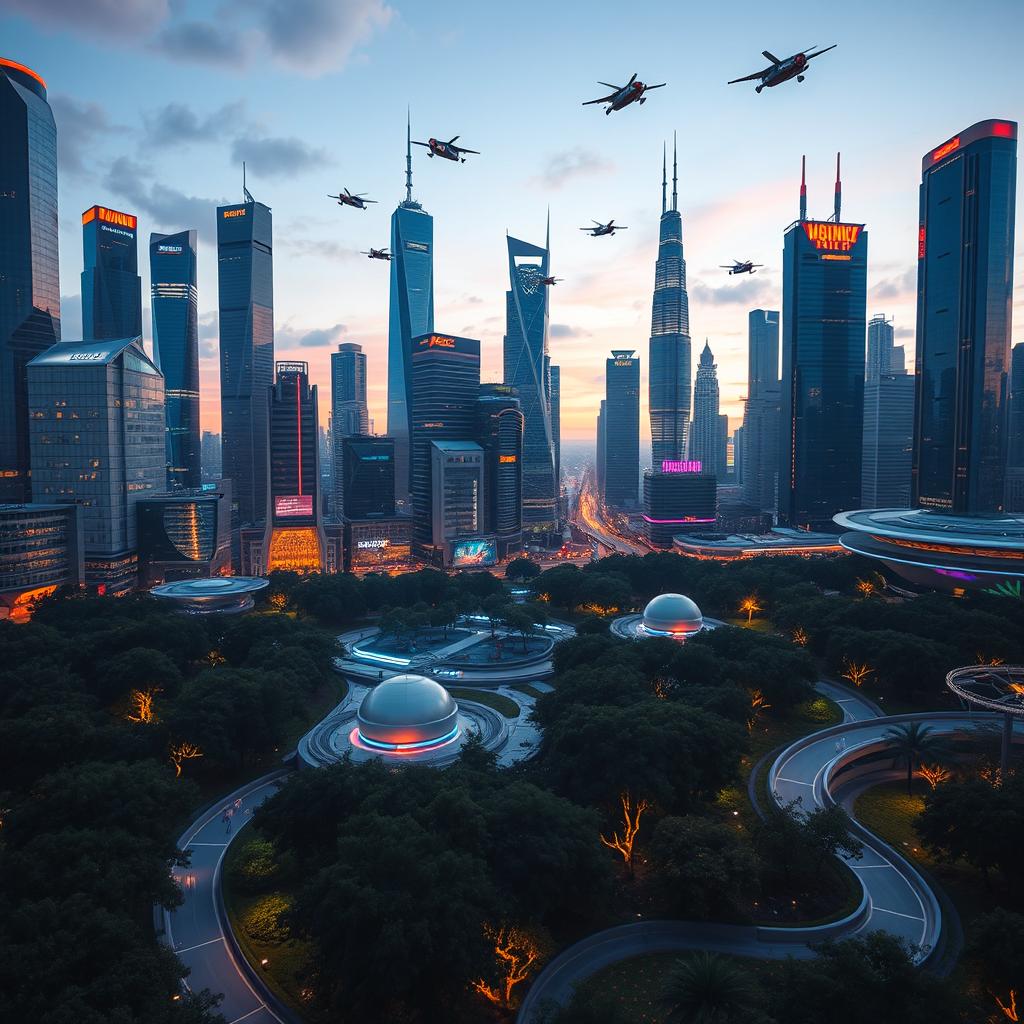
point(757, 625)
point(530, 691)
point(505, 706)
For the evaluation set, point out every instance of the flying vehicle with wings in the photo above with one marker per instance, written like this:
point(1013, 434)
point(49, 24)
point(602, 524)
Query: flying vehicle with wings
point(604, 229)
point(780, 71)
point(446, 150)
point(377, 254)
point(622, 95)
point(550, 280)
point(741, 267)
point(346, 198)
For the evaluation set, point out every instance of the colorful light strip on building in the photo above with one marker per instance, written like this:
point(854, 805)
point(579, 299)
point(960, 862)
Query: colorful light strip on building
point(681, 466)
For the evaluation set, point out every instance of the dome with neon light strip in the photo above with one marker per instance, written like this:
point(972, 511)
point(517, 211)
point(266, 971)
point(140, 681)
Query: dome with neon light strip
point(407, 713)
point(672, 615)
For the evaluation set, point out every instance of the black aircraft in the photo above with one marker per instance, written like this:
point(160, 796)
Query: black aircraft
point(550, 280)
point(622, 95)
point(739, 267)
point(347, 199)
point(446, 150)
point(780, 71)
point(377, 254)
point(604, 229)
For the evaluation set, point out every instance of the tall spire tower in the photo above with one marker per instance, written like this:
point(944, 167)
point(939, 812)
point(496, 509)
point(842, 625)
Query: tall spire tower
point(669, 366)
point(803, 188)
point(408, 157)
point(839, 192)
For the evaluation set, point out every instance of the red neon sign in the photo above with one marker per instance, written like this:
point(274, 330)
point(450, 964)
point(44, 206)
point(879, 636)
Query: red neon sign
point(920, 242)
point(4, 62)
point(826, 235)
point(945, 149)
point(1003, 130)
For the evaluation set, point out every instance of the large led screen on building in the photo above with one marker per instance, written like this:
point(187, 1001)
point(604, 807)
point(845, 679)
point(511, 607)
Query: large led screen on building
point(289, 505)
point(474, 552)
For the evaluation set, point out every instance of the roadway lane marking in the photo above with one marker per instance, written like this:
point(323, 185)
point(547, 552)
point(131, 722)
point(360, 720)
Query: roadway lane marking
point(262, 1006)
point(882, 910)
point(864, 867)
point(198, 945)
point(795, 782)
point(207, 844)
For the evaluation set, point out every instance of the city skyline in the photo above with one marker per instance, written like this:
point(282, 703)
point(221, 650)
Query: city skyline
point(737, 188)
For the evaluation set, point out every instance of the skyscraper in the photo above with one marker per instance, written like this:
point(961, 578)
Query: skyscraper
point(411, 315)
point(1015, 440)
point(669, 366)
point(211, 457)
point(602, 440)
point(245, 275)
point(824, 302)
point(622, 429)
point(758, 447)
point(964, 294)
point(888, 441)
point(556, 424)
point(500, 435)
point(29, 279)
point(881, 350)
point(172, 266)
point(527, 369)
point(111, 286)
point(97, 431)
point(369, 487)
point(349, 413)
point(707, 445)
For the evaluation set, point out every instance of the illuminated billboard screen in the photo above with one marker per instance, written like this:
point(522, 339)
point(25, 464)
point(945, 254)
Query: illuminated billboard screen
point(289, 505)
point(474, 552)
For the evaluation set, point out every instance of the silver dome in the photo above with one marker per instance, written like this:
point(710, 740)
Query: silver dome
point(672, 614)
point(407, 709)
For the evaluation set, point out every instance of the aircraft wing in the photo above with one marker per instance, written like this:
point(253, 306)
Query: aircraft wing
point(660, 85)
point(461, 149)
point(820, 52)
point(603, 99)
point(453, 140)
point(771, 57)
point(610, 86)
point(750, 78)
point(415, 143)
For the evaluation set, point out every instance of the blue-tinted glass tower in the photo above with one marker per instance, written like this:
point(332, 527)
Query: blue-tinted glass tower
point(669, 369)
point(824, 320)
point(528, 369)
point(174, 301)
point(964, 295)
point(245, 275)
point(411, 315)
point(622, 429)
point(111, 286)
point(29, 281)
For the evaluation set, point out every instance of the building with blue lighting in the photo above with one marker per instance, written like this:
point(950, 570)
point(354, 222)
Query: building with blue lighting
point(707, 439)
point(349, 413)
point(500, 435)
point(622, 430)
point(111, 286)
point(174, 302)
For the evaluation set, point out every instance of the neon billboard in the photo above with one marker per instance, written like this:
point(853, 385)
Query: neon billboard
point(836, 237)
point(289, 505)
point(681, 466)
point(479, 551)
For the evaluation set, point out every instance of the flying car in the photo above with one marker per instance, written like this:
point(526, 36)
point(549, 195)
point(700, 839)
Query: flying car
point(550, 280)
point(741, 267)
point(780, 71)
point(377, 254)
point(622, 95)
point(447, 150)
point(604, 229)
point(346, 198)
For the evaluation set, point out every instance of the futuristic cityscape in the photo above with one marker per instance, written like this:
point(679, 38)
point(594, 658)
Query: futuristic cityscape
point(479, 664)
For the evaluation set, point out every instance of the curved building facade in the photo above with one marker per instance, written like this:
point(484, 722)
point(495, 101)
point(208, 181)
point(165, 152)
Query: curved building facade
point(672, 615)
point(229, 595)
point(407, 713)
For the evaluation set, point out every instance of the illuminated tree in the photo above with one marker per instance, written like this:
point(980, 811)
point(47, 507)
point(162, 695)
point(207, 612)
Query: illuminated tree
point(517, 953)
point(800, 636)
point(181, 752)
point(751, 606)
point(215, 658)
point(912, 743)
point(865, 588)
point(142, 706)
point(758, 704)
point(856, 672)
point(278, 601)
point(934, 774)
point(1009, 1008)
point(631, 825)
point(985, 660)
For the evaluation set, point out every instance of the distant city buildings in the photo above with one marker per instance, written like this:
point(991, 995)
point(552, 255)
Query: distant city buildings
point(210, 447)
point(707, 440)
point(111, 286)
point(369, 484)
point(601, 464)
point(622, 430)
point(678, 498)
point(758, 444)
point(29, 278)
point(349, 412)
point(175, 312)
point(499, 432)
point(457, 505)
point(883, 355)
point(824, 301)
point(888, 441)
point(1015, 440)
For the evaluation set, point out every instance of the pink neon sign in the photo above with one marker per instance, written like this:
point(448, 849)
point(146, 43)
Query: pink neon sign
point(680, 466)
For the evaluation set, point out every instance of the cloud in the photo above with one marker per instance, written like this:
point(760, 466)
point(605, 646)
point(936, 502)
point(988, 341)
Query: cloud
point(905, 332)
point(276, 157)
point(167, 206)
point(202, 42)
point(578, 162)
point(288, 337)
point(746, 292)
point(566, 331)
point(899, 287)
point(71, 317)
point(177, 124)
point(127, 19)
point(78, 127)
point(319, 248)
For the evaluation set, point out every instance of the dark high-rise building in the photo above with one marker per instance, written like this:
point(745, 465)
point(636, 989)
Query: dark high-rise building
point(758, 446)
point(527, 369)
point(29, 279)
point(964, 294)
point(762, 351)
point(556, 423)
point(678, 499)
point(601, 443)
point(349, 413)
point(411, 316)
point(172, 267)
point(211, 457)
point(881, 350)
point(888, 441)
point(445, 379)
point(111, 286)
point(824, 314)
point(669, 365)
point(369, 486)
point(622, 429)
point(294, 538)
point(245, 273)
point(500, 435)
point(1015, 440)
point(707, 441)
point(457, 506)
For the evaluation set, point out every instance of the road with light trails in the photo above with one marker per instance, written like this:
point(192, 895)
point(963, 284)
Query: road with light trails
point(589, 520)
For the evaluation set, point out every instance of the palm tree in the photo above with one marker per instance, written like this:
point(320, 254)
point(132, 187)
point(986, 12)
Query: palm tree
point(915, 744)
point(708, 989)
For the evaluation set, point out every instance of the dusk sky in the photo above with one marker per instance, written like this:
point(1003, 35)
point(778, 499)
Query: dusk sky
point(158, 102)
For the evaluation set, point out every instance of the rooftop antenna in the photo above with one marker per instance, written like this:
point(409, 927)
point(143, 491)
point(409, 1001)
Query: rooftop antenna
point(408, 157)
point(664, 179)
point(547, 243)
point(803, 188)
point(839, 191)
point(675, 205)
point(245, 191)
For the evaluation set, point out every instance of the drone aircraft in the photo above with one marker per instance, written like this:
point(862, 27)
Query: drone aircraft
point(446, 150)
point(604, 229)
point(346, 198)
point(741, 267)
point(377, 254)
point(622, 95)
point(780, 71)
point(550, 280)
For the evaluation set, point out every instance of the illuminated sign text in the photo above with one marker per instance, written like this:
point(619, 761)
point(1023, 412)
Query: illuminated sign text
point(438, 341)
point(376, 542)
point(85, 357)
point(920, 242)
point(839, 237)
point(235, 213)
point(506, 458)
point(945, 149)
point(680, 465)
point(124, 220)
point(169, 248)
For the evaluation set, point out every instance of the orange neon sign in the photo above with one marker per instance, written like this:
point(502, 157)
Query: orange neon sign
point(945, 149)
point(920, 242)
point(235, 213)
point(438, 341)
point(122, 220)
point(4, 62)
point(506, 458)
point(835, 256)
point(826, 235)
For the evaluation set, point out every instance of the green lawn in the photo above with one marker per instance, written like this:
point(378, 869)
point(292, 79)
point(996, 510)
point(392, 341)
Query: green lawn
point(756, 624)
point(504, 705)
point(530, 691)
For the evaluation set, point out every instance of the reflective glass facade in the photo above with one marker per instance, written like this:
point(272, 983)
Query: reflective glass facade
point(183, 536)
point(677, 503)
point(622, 430)
point(757, 442)
point(500, 435)
point(111, 286)
point(29, 279)
point(369, 476)
point(888, 441)
point(964, 295)
point(707, 443)
point(40, 550)
point(172, 266)
point(349, 412)
point(824, 319)
point(555, 391)
point(245, 276)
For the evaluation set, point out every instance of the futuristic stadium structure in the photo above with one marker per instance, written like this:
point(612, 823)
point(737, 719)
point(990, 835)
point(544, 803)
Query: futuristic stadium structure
point(406, 713)
point(218, 595)
point(668, 615)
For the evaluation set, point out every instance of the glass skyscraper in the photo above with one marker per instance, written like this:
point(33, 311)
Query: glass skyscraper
point(29, 279)
point(500, 435)
point(245, 275)
point(964, 295)
point(707, 443)
point(174, 301)
point(111, 286)
point(824, 318)
point(669, 367)
point(349, 413)
point(622, 429)
point(411, 314)
point(758, 440)
point(528, 369)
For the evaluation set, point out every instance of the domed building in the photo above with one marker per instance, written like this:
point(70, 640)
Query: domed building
point(217, 595)
point(407, 713)
point(672, 615)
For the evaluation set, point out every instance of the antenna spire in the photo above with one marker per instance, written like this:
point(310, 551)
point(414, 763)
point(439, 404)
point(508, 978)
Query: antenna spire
point(803, 188)
point(839, 191)
point(408, 157)
point(547, 243)
point(247, 195)
point(675, 205)
point(664, 177)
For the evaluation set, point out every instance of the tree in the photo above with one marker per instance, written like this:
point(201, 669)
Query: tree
point(496, 608)
point(520, 621)
point(996, 955)
point(707, 988)
point(751, 606)
point(913, 743)
point(522, 569)
point(623, 841)
point(518, 953)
